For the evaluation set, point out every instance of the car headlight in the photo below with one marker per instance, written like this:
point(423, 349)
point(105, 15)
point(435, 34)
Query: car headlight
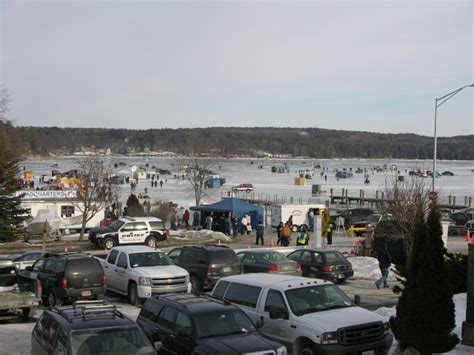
point(281, 350)
point(329, 338)
point(386, 327)
point(144, 281)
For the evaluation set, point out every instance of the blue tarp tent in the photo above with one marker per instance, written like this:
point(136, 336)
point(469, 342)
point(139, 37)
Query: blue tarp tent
point(235, 206)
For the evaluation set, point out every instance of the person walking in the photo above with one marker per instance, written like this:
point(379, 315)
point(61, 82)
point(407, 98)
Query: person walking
point(385, 260)
point(303, 238)
point(186, 218)
point(329, 233)
point(290, 221)
point(285, 235)
point(243, 225)
point(235, 227)
point(228, 224)
point(279, 231)
point(196, 220)
point(260, 231)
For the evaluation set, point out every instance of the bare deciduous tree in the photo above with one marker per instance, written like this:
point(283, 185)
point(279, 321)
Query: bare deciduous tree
point(197, 172)
point(401, 201)
point(95, 190)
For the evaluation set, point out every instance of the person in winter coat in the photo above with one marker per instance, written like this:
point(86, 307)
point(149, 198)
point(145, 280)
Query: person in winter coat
point(186, 218)
point(385, 260)
point(235, 227)
point(279, 231)
point(285, 235)
point(243, 224)
point(196, 220)
point(260, 231)
point(209, 220)
point(303, 238)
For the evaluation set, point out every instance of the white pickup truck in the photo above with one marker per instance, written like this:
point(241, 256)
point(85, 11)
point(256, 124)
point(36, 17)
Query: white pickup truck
point(141, 272)
point(308, 316)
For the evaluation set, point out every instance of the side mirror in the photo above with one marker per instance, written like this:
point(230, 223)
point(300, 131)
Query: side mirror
point(357, 300)
point(278, 313)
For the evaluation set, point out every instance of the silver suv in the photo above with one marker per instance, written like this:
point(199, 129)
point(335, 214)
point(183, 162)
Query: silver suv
point(126, 230)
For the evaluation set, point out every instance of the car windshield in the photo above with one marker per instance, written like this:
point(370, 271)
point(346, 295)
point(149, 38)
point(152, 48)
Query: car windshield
point(156, 258)
point(223, 256)
point(223, 322)
point(316, 298)
point(110, 341)
point(116, 225)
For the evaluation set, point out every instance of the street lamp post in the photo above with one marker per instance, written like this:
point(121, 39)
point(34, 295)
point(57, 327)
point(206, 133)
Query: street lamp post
point(438, 103)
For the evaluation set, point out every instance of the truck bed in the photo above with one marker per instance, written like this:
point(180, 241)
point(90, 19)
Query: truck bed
point(17, 299)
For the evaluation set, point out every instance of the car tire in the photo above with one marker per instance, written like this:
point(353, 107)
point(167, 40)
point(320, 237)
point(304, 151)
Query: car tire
point(133, 298)
point(152, 242)
point(52, 299)
point(109, 243)
point(196, 284)
point(247, 191)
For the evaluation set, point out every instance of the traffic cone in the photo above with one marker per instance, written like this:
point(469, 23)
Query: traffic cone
point(468, 236)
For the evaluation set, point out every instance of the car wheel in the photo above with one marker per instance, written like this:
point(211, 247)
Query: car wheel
point(196, 284)
point(152, 242)
point(133, 298)
point(247, 191)
point(109, 243)
point(294, 228)
point(52, 299)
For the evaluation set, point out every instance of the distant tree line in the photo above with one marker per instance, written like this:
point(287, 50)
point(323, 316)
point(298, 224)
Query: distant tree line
point(252, 142)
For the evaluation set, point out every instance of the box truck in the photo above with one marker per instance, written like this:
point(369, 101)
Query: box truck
point(300, 213)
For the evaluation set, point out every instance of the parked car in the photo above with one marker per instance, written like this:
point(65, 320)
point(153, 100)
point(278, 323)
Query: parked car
point(447, 173)
point(202, 324)
point(88, 328)
point(26, 258)
point(17, 295)
point(66, 277)
point(243, 187)
point(325, 264)
point(206, 263)
point(308, 316)
point(352, 216)
point(268, 261)
point(140, 272)
point(461, 217)
point(126, 230)
point(469, 226)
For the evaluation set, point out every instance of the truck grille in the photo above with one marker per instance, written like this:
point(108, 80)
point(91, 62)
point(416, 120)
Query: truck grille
point(168, 282)
point(360, 334)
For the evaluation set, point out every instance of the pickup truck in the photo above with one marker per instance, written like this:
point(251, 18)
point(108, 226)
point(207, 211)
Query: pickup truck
point(308, 316)
point(140, 272)
point(16, 293)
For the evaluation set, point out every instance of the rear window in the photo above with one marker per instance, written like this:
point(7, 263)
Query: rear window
point(244, 295)
point(334, 257)
point(157, 225)
point(220, 288)
point(223, 256)
point(84, 266)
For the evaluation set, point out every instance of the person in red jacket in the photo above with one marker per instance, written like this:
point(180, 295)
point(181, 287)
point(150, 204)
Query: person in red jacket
point(186, 218)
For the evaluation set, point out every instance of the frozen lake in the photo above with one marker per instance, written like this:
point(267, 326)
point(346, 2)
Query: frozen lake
point(267, 184)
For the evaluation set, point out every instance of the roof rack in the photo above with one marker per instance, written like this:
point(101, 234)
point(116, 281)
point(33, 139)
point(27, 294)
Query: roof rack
point(88, 310)
point(190, 299)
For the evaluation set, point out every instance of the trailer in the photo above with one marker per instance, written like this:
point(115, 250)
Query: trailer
point(300, 213)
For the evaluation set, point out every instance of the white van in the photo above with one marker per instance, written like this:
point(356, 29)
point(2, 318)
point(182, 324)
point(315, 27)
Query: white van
point(308, 316)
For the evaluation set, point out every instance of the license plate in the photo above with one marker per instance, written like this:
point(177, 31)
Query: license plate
point(368, 352)
point(226, 269)
point(341, 276)
point(86, 293)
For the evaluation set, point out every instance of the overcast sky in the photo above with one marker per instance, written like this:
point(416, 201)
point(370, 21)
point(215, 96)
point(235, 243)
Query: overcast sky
point(353, 65)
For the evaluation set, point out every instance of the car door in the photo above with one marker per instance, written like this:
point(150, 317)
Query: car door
point(166, 329)
point(37, 346)
point(184, 341)
point(50, 277)
point(125, 234)
point(140, 232)
point(109, 269)
point(276, 329)
point(174, 255)
point(120, 270)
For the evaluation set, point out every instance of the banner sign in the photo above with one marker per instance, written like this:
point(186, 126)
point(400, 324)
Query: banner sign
point(47, 194)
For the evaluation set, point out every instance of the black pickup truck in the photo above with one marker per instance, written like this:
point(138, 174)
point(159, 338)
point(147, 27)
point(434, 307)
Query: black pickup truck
point(17, 293)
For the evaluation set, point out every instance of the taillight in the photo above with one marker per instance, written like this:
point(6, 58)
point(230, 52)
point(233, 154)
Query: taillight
point(326, 268)
point(63, 283)
point(298, 267)
point(273, 268)
point(349, 266)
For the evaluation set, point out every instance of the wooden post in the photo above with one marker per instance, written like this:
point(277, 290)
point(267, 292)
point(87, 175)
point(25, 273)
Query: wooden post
point(450, 200)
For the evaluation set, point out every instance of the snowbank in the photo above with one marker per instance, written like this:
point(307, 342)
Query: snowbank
point(366, 267)
point(183, 234)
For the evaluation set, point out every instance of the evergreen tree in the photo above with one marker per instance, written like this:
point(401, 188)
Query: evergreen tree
point(11, 213)
point(134, 208)
point(425, 310)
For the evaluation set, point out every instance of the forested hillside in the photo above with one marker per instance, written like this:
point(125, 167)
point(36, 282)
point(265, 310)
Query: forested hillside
point(310, 142)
